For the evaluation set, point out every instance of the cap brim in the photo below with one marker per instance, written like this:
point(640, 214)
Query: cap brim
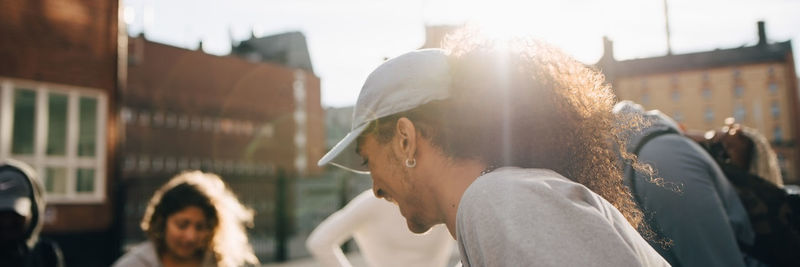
point(343, 154)
point(20, 205)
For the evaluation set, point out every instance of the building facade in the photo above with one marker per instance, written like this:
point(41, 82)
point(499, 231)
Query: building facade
point(756, 85)
point(58, 80)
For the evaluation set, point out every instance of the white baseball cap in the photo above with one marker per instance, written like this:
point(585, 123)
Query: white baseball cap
point(399, 84)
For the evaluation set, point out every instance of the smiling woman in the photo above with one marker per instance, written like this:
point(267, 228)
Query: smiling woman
point(193, 220)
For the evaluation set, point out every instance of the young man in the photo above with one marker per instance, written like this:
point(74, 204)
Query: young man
point(507, 144)
point(21, 209)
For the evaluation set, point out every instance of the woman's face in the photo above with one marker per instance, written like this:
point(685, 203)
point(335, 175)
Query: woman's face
point(187, 233)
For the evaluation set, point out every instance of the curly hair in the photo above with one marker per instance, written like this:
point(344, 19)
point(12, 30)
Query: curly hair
point(226, 216)
point(524, 103)
point(764, 161)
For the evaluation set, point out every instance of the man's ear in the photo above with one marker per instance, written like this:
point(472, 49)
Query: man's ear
point(405, 139)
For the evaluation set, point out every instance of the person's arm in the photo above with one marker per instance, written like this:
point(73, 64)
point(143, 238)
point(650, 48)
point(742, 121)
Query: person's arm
point(695, 218)
point(325, 241)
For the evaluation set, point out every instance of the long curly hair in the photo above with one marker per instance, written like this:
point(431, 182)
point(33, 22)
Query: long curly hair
point(227, 218)
point(524, 103)
point(764, 161)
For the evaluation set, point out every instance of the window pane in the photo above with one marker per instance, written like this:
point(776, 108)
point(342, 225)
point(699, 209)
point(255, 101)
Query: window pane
point(88, 126)
point(775, 110)
point(57, 124)
point(85, 181)
point(55, 182)
point(739, 113)
point(24, 117)
point(709, 115)
point(777, 134)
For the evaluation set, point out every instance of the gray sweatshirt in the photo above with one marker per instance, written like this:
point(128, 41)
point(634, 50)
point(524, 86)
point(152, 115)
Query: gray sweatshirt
point(536, 217)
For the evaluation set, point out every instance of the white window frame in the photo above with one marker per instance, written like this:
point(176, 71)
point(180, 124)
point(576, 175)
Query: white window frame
point(39, 160)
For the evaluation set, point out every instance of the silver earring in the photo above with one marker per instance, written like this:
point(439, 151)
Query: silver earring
point(411, 163)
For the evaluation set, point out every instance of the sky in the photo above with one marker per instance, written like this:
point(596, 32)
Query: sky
point(347, 39)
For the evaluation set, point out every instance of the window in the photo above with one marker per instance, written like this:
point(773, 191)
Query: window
point(59, 131)
point(158, 119)
point(126, 114)
point(706, 93)
point(774, 109)
point(773, 88)
point(645, 97)
point(738, 91)
point(739, 113)
point(677, 116)
point(709, 115)
point(676, 95)
point(777, 134)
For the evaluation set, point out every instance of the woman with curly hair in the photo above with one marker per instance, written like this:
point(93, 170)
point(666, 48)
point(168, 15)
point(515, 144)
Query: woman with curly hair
point(509, 143)
point(193, 220)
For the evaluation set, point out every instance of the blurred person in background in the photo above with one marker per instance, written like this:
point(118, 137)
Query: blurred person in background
point(193, 220)
point(509, 143)
point(382, 237)
point(687, 199)
point(746, 149)
point(751, 166)
point(22, 205)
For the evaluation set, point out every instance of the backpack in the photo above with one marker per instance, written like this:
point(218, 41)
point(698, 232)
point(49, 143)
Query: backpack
point(773, 213)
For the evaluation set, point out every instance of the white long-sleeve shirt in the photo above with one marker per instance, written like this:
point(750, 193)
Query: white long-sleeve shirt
point(381, 234)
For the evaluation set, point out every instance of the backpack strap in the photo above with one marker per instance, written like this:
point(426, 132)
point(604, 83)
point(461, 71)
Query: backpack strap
point(637, 149)
point(631, 174)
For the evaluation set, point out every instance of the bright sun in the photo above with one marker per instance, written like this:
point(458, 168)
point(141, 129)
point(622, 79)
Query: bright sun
point(557, 23)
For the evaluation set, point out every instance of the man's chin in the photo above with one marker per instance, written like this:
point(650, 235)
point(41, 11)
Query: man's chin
point(417, 228)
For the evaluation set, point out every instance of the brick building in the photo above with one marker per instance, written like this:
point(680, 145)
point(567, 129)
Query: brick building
point(757, 85)
point(58, 77)
point(251, 122)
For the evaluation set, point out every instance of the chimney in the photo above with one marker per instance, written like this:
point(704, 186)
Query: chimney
point(608, 48)
point(762, 34)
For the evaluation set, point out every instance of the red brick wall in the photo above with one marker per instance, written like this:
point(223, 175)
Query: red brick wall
point(315, 124)
point(70, 42)
point(165, 78)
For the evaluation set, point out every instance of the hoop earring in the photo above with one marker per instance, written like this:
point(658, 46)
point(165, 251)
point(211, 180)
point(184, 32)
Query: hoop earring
point(411, 163)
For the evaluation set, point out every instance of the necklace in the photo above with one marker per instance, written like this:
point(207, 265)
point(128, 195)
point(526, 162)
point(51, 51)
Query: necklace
point(488, 169)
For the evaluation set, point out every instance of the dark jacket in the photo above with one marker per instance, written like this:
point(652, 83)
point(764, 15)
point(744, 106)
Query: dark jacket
point(31, 250)
point(696, 207)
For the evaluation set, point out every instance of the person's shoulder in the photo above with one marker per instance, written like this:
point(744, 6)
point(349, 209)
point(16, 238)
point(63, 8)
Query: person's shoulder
point(143, 254)
point(510, 183)
point(673, 141)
